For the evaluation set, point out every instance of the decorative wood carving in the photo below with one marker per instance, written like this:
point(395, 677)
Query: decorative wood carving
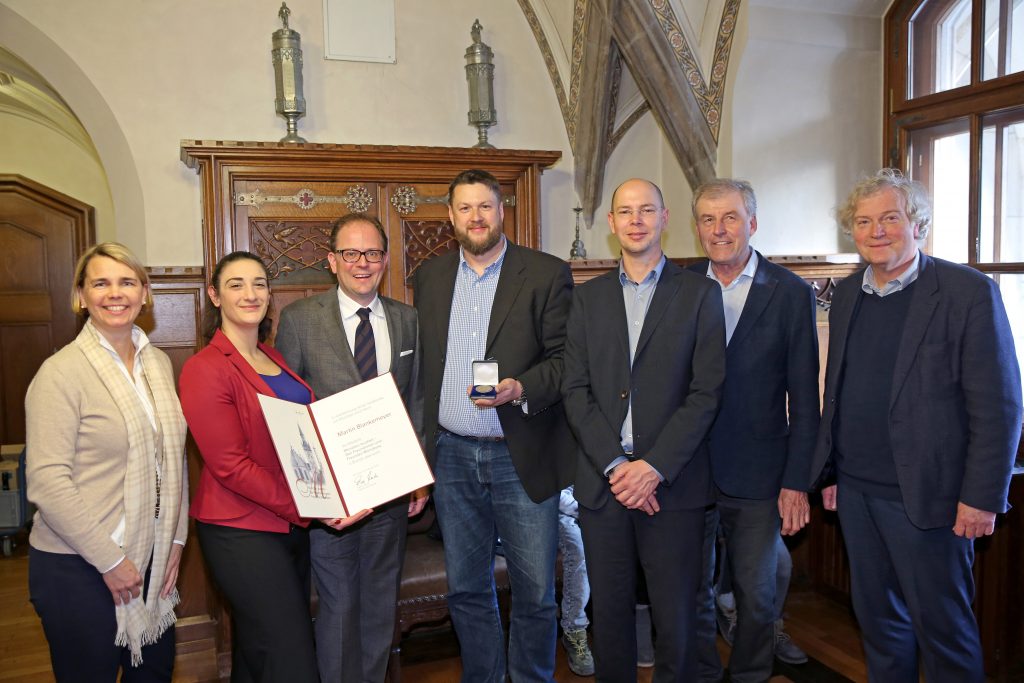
point(289, 247)
point(278, 200)
point(425, 240)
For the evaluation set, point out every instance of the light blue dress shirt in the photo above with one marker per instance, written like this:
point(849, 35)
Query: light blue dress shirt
point(637, 298)
point(467, 342)
point(894, 285)
point(734, 297)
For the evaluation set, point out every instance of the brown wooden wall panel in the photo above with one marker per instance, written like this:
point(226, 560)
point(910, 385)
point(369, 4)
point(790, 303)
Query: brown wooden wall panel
point(172, 324)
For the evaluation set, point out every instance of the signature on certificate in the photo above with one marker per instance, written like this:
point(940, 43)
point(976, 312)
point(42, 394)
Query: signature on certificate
point(365, 479)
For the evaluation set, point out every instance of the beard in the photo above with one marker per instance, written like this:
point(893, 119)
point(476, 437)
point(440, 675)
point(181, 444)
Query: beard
point(478, 248)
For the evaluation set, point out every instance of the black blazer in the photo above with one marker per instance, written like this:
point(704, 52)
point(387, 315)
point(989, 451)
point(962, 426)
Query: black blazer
point(675, 383)
point(525, 335)
point(772, 358)
point(955, 406)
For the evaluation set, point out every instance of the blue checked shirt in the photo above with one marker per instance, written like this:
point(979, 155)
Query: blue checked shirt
point(467, 342)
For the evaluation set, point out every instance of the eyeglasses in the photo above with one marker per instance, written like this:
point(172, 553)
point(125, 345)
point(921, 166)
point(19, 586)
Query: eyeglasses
point(352, 255)
point(643, 212)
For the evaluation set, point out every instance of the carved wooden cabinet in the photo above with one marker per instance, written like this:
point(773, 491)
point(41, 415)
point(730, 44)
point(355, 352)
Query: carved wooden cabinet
point(278, 201)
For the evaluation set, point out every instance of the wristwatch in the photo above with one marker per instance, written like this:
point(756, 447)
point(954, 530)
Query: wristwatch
point(522, 396)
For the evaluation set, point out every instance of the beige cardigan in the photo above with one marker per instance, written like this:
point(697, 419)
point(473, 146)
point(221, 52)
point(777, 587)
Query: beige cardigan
point(77, 458)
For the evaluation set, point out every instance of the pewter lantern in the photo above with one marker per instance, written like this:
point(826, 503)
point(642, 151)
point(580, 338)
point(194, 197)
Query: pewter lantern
point(480, 75)
point(287, 55)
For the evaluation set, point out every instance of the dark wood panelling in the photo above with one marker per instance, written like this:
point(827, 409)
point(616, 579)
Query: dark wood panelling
point(172, 323)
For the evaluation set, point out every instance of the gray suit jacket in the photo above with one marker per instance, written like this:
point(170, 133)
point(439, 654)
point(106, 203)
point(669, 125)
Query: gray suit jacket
point(312, 340)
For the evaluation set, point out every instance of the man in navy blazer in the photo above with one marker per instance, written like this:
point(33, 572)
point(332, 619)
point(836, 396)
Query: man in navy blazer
point(921, 422)
point(763, 438)
point(644, 366)
point(358, 570)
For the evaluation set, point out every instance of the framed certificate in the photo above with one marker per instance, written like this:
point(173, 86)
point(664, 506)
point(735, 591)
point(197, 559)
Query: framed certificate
point(354, 450)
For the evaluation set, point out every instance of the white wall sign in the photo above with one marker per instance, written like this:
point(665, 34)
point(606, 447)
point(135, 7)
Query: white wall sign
point(360, 30)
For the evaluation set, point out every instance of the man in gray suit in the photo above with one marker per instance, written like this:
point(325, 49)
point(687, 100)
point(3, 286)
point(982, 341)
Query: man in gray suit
point(334, 341)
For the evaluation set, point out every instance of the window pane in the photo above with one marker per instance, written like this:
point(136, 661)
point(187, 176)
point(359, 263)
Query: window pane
point(940, 39)
point(1012, 288)
point(939, 157)
point(1001, 236)
point(1004, 38)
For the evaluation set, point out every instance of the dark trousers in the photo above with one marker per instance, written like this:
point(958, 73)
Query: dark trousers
point(357, 572)
point(77, 612)
point(668, 546)
point(912, 593)
point(265, 578)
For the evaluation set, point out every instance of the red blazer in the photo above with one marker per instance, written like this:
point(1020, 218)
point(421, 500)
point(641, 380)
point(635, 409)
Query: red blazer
point(241, 484)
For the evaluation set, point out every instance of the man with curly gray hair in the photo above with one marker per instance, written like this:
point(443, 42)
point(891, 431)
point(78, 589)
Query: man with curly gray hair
point(920, 427)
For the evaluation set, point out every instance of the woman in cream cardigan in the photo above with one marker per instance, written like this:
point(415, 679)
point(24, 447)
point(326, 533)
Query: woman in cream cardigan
point(106, 470)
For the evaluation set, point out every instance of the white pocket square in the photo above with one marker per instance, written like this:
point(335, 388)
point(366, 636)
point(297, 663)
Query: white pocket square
point(405, 353)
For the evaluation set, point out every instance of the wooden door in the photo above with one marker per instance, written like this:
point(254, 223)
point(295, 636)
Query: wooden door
point(42, 233)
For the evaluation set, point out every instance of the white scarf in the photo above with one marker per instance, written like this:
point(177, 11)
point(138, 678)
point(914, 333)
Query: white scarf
point(142, 621)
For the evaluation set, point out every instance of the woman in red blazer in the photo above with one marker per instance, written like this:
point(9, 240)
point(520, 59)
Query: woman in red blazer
point(252, 537)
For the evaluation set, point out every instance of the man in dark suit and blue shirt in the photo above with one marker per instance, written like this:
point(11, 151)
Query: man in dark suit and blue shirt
point(499, 462)
point(763, 438)
point(334, 341)
point(644, 366)
point(921, 422)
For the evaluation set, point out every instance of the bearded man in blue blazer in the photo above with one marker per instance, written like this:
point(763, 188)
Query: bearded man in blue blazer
point(921, 422)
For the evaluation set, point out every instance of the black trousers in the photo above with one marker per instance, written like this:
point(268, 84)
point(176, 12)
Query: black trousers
point(265, 578)
point(77, 612)
point(668, 546)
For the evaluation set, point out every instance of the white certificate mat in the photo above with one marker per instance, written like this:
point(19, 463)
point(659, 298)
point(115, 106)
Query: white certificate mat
point(371, 449)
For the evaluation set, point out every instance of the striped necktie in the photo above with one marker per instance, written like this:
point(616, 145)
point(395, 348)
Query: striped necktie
point(366, 349)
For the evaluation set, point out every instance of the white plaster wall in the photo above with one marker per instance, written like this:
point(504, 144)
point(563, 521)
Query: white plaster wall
point(41, 154)
point(802, 121)
point(200, 70)
point(645, 153)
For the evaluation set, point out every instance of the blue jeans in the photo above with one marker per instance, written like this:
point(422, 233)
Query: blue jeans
point(479, 498)
point(575, 586)
point(709, 664)
point(751, 531)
